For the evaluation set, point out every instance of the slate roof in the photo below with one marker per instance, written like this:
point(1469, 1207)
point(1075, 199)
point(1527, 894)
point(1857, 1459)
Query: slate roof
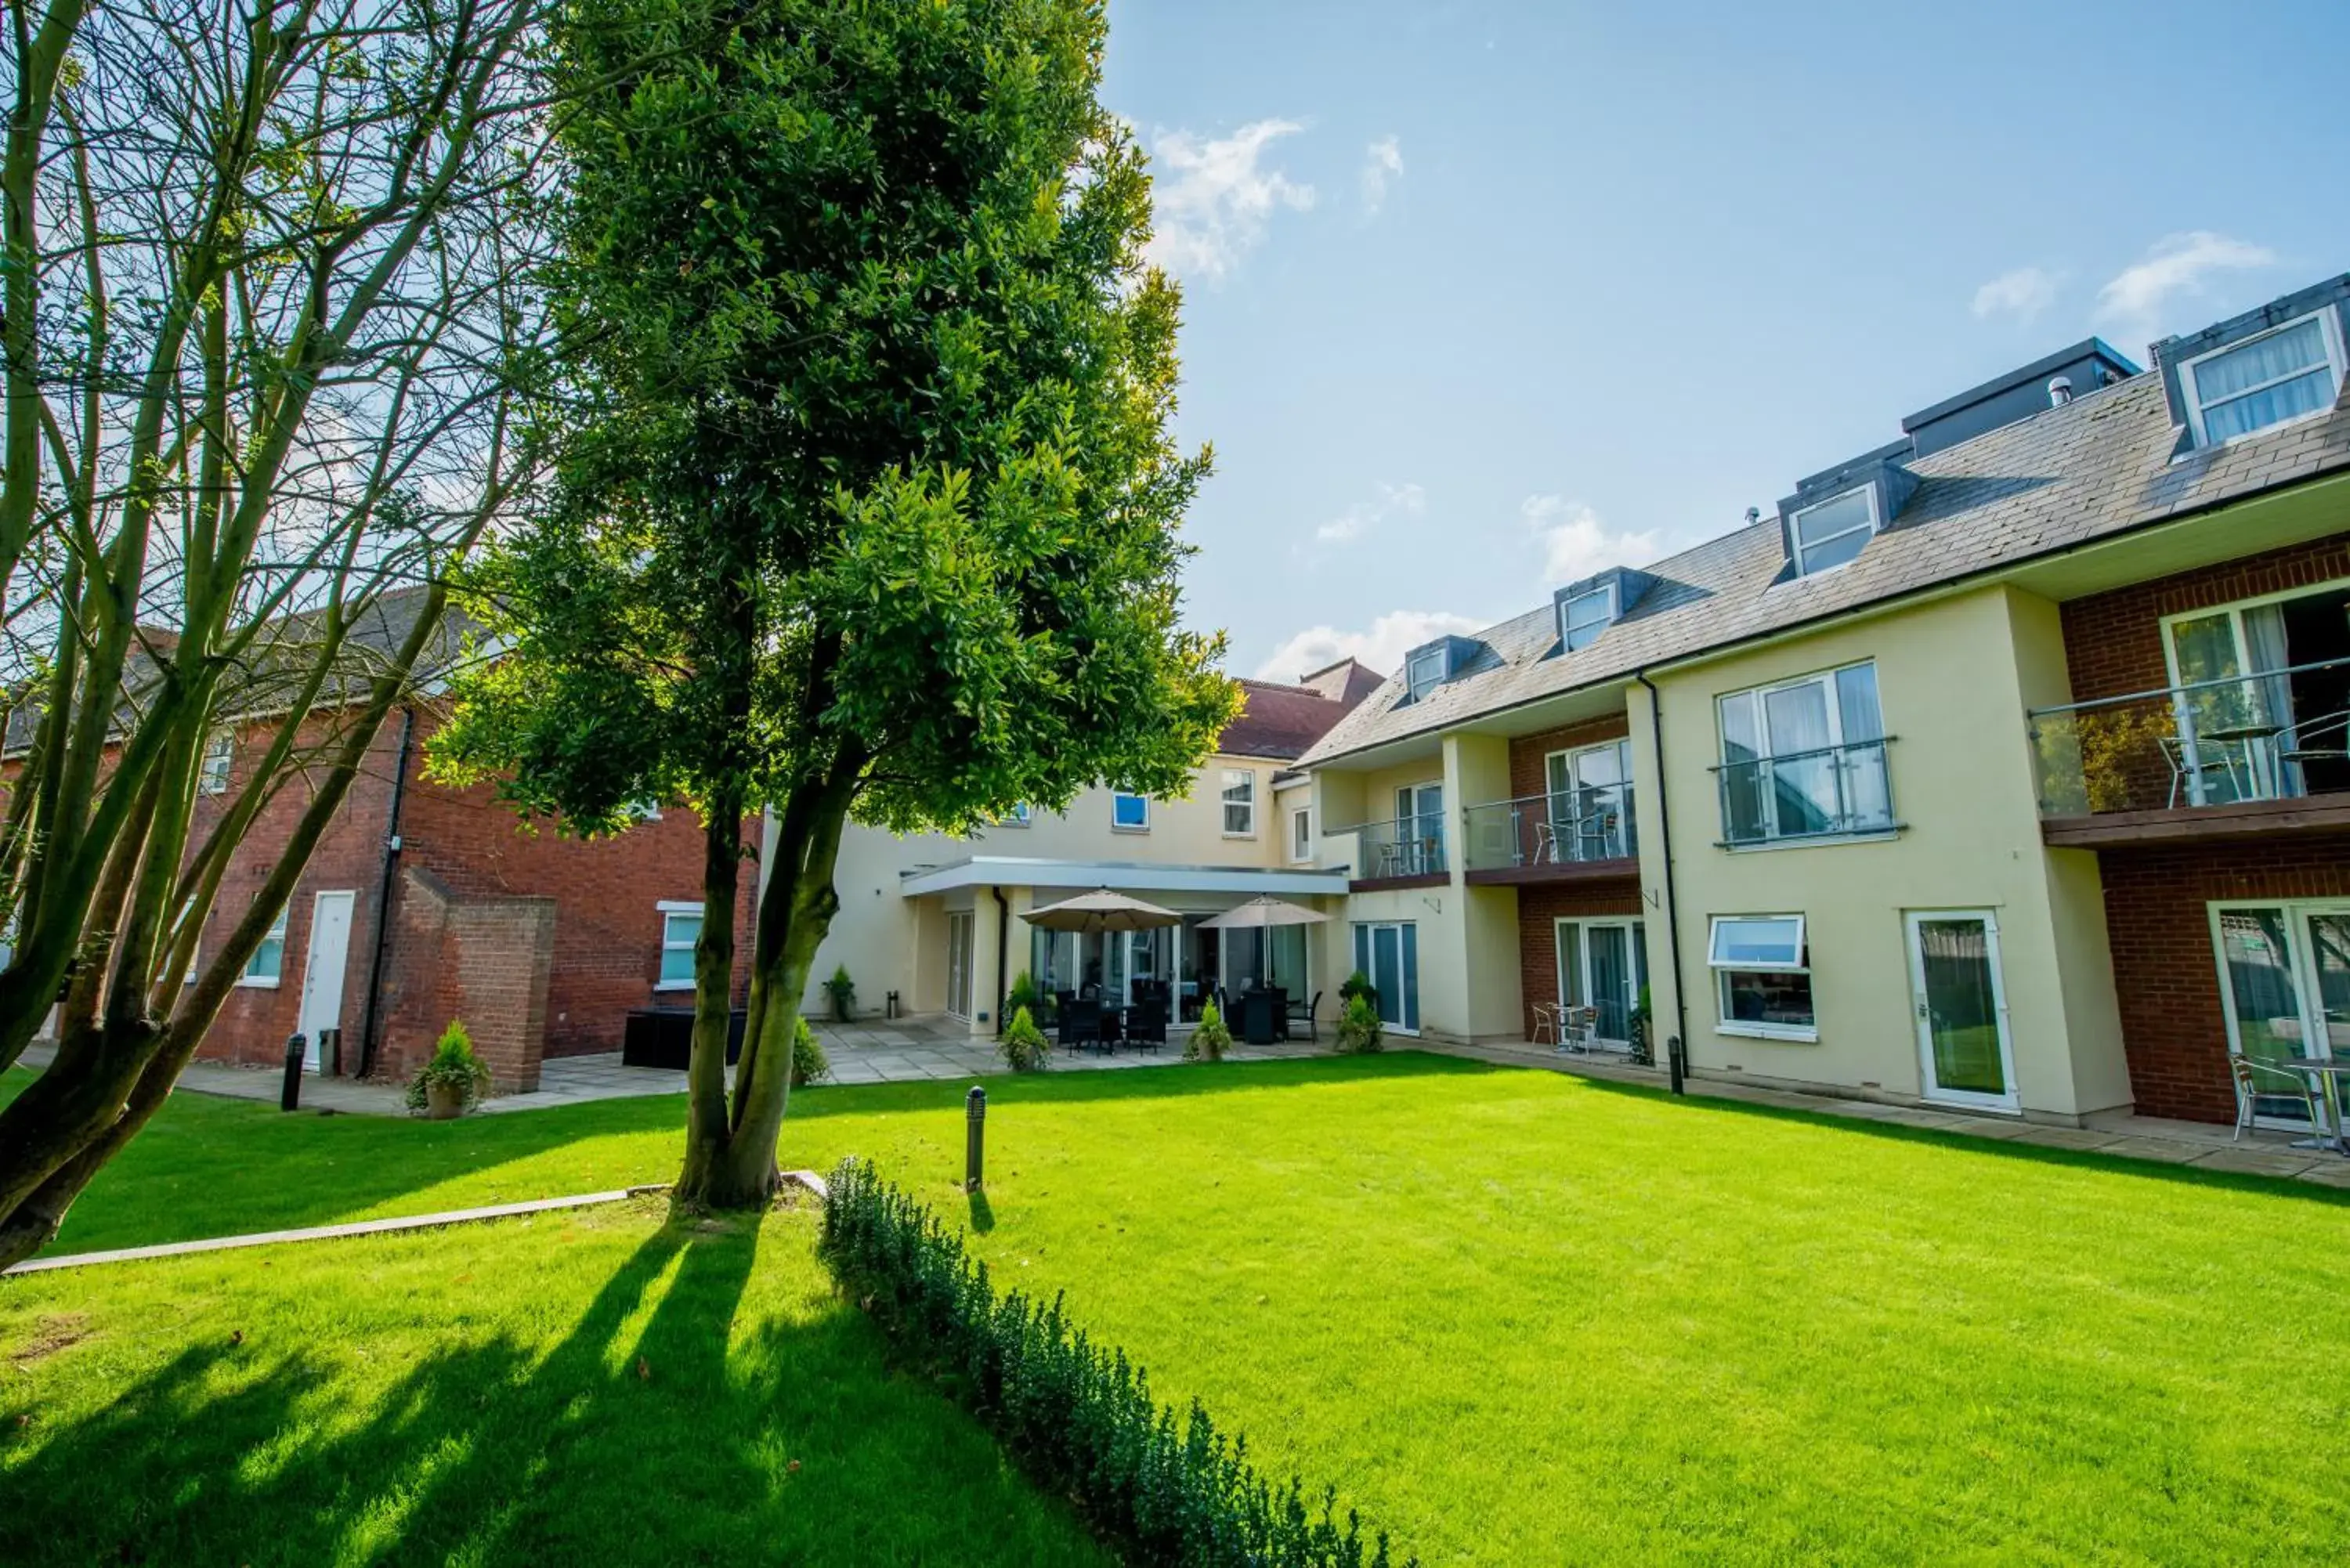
point(1281, 721)
point(2097, 466)
point(282, 655)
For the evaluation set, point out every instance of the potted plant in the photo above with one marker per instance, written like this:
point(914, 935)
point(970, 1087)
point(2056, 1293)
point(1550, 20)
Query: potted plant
point(1640, 1028)
point(1359, 1032)
point(1357, 984)
point(1025, 1047)
point(842, 991)
point(1209, 1038)
point(1023, 993)
point(448, 1086)
point(808, 1063)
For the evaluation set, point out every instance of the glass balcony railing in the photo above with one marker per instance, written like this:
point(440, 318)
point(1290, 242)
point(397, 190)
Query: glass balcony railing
point(2277, 735)
point(1407, 847)
point(1574, 826)
point(1820, 794)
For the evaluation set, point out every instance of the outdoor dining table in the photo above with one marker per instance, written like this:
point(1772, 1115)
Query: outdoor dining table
point(2320, 1069)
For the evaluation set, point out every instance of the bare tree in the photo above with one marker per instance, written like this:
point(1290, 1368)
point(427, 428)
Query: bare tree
point(269, 325)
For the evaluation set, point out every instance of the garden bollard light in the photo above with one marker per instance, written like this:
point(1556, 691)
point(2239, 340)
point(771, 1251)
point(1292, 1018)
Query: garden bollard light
point(975, 1143)
point(289, 1098)
point(1679, 1062)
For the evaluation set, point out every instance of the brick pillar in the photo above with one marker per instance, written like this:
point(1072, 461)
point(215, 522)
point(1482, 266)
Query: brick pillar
point(485, 961)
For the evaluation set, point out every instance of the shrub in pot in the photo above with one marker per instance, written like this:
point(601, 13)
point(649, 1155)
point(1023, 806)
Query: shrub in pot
point(1025, 993)
point(808, 1063)
point(1357, 984)
point(1359, 1032)
point(1210, 1038)
point(453, 1081)
point(842, 991)
point(1024, 1045)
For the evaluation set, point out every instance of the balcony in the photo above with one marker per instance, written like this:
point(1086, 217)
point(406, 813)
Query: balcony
point(1578, 835)
point(1827, 793)
point(2226, 758)
point(1407, 852)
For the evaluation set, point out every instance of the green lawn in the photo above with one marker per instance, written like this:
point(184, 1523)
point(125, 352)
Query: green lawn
point(598, 1388)
point(1525, 1318)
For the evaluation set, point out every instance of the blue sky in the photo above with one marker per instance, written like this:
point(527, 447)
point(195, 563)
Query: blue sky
point(1479, 296)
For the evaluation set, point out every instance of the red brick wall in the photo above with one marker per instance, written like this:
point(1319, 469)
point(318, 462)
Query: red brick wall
point(604, 940)
point(1538, 906)
point(484, 960)
point(2173, 1029)
point(2113, 641)
point(1529, 754)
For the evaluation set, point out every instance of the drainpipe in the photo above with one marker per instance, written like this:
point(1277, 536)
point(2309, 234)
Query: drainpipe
point(1003, 936)
point(383, 893)
point(1672, 909)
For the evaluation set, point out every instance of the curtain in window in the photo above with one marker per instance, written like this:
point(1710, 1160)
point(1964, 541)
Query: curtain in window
point(2272, 698)
point(2221, 381)
point(1803, 784)
point(1867, 798)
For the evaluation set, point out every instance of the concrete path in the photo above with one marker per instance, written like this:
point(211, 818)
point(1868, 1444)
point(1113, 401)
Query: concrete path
point(2265, 1152)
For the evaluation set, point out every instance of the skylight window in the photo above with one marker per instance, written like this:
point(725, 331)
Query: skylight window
point(2280, 375)
point(1582, 617)
point(1833, 531)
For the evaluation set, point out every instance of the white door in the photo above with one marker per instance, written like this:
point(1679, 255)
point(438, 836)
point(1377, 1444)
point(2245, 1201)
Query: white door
point(1961, 1007)
point(322, 975)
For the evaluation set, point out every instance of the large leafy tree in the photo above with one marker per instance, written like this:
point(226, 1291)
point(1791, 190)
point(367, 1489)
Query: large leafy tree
point(264, 273)
point(873, 510)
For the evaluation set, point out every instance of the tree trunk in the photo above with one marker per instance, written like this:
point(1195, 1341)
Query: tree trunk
point(707, 1127)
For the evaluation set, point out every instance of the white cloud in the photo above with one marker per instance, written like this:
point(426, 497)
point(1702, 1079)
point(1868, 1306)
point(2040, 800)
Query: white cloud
point(2175, 264)
point(1406, 499)
point(1381, 648)
point(1210, 200)
point(1576, 542)
point(1382, 161)
point(2023, 293)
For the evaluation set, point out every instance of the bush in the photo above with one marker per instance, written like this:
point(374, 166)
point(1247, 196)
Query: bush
point(1359, 1032)
point(1209, 1038)
point(1023, 993)
point(808, 1060)
point(1078, 1416)
point(454, 1065)
point(1357, 984)
point(842, 991)
point(1024, 1045)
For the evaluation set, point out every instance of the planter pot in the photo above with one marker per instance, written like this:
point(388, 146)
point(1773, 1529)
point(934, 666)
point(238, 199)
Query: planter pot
point(444, 1102)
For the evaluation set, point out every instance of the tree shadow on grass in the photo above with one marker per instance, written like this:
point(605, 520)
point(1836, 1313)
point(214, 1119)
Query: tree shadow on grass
point(657, 1430)
point(2007, 1149)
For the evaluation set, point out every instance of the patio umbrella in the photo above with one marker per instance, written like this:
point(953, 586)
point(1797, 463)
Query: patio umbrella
point(1102, 910)
point(1260, 912)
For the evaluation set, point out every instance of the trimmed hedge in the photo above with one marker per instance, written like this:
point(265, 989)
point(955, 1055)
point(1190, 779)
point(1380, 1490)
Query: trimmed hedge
point(1077, 1417)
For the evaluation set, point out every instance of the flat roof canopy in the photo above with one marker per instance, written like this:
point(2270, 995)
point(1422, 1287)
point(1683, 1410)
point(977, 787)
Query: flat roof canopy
point(1023, 871)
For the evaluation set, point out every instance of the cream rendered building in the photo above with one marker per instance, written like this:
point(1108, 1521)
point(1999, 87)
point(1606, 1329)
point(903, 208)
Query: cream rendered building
point(2007, 767)
point(932, 924)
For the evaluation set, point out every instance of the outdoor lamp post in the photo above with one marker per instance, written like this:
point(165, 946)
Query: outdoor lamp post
point(974, 1149)
point(291, 1097)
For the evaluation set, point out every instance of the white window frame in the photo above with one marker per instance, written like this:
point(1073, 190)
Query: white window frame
point(1243, 779)
point(219, 755)
point(1301, 833)
point(1723, 969)
point(1115, 826)
point(1825, 679)
point(1414, 687)
point(276, 933)
point(2329, 328)
point(1803, 547)
point(1566, 614)
point(671, 910)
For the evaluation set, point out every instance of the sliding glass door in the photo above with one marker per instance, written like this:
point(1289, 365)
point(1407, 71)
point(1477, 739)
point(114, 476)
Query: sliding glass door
point(1388, 952)
point(1603, 965)
point(2285, 972)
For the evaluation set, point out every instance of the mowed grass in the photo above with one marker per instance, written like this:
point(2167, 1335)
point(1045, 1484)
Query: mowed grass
point(602, 1387)
point(1523, 1318)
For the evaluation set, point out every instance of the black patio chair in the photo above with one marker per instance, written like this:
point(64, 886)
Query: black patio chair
point(1301, 1012)
point(1146, 1024)
point(1080, 1023)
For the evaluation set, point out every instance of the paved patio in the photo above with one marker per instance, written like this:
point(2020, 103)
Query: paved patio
point(2261, 1152)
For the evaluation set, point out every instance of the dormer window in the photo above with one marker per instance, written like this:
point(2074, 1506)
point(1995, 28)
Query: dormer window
point(2283, 374)
point(1830, 532)
point(1424, 670)
point(1583, 617)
